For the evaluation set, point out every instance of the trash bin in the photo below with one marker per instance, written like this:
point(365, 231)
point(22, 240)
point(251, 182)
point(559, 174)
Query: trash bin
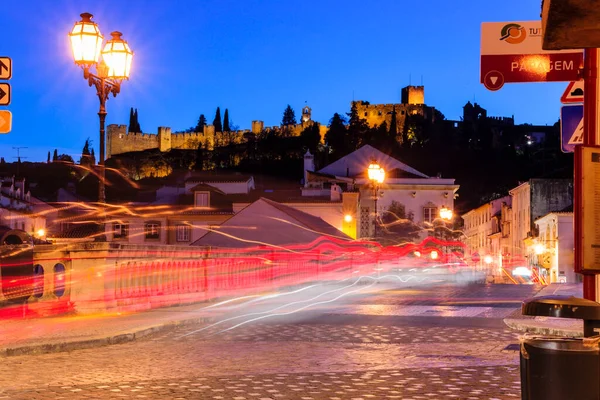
point(561, 368)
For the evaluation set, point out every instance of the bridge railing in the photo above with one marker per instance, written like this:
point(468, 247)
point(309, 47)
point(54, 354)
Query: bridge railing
point(100, 276)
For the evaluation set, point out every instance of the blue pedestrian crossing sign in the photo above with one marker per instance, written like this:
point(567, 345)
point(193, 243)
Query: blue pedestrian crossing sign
point(571, 127)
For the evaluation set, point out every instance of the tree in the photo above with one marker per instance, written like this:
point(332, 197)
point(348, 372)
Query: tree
point(48, 161)
point(201, 124)
point(55, 155)
point(336, 135)
point(393, 124)
point(199, 162)
point(65, 158)
point(357, 128)
point(226, 121)
point(289, 117)
point(131, 121)
point(93, 157)
point(138, 128)
point(85, 154)
point(217, 121)
point(311, 137)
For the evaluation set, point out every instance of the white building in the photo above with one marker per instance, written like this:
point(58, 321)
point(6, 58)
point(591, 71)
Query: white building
point(554, 247)
point(486, 233)
point(420, 196)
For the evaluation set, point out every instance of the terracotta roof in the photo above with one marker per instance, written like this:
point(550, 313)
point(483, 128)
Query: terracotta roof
point(81, 231)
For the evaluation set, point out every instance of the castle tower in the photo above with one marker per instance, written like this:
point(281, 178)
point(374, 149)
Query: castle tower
point(257, 127)
point(413, 95)
point(309, 165)
point(164, 139)
point(306, 111)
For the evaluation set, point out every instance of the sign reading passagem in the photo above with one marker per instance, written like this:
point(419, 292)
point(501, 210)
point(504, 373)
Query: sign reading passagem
point(512, 52)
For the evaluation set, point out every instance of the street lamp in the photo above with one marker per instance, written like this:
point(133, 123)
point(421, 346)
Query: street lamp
point(111, 70)
point(446, 213)
point(376, 176)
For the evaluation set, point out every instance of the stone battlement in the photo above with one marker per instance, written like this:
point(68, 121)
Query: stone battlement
point(119, 141)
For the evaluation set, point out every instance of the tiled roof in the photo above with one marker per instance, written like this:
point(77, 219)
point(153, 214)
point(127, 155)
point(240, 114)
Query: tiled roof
point(81, 231)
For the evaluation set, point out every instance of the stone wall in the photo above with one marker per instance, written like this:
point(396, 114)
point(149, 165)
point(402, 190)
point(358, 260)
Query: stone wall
point(119, 141)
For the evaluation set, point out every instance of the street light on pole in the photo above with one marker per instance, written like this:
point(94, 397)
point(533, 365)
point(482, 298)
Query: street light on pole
point(111, 70)
point(376, 175)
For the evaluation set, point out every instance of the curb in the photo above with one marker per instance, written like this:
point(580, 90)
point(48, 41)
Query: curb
point(521, 326)
point(47, 348)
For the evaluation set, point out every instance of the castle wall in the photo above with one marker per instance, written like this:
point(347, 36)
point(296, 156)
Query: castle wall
point(119, 141)
point(376, 114)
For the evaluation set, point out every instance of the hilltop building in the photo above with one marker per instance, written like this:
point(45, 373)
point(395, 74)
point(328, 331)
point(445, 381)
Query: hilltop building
point(412, 102)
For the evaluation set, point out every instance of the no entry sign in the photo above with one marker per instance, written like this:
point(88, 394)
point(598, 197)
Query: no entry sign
point(512, 52)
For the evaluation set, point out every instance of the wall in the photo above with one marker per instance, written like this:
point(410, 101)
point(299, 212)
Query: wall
point(566, 246)
point(550, 195)
point(521, 218)
point(120, 141)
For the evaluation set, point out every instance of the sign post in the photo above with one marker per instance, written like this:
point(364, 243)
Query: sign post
point(512, 52)
point(587, 157)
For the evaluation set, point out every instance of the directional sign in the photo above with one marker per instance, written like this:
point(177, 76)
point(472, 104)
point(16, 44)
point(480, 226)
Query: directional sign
point(512, 52)
point(571, 127)
point(573, 93)
point(5, 121)
point(5, 68)
point(4, 94)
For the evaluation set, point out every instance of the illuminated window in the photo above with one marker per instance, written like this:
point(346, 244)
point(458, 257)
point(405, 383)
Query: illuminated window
point(202, 199)
point(120, 231)
point(183, 233)
point(152, 230)
point(429, 214)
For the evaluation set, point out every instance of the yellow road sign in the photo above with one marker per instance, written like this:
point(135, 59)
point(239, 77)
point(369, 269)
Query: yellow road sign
point(5, 121)
point(4, 94)
point(5, 68)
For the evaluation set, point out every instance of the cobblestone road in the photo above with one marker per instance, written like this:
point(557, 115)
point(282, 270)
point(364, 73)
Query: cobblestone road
point(358, 351)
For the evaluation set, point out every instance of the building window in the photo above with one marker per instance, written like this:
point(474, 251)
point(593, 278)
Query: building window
point(365, 113)
point(429, 214)
point(120, 231)
point(183, 233)
point(152, 230)
point(202, 199)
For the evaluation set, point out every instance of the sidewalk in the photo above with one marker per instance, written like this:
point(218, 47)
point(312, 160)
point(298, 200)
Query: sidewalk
point(549, 325)
point(71, 332)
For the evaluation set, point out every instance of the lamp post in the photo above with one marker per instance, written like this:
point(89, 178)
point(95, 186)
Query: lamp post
point(111, 70)
point(376, 176)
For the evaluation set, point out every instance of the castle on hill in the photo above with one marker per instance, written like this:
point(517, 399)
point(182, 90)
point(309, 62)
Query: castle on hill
point(412, 102)
point(119, 140)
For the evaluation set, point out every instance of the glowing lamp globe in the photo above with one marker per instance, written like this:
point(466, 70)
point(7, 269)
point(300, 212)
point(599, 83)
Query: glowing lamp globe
point(348, 218)
point(539, 249)
point(375, 172)
point(86, 41)
point(118, 57)
point(446, 213)
point(488, 259)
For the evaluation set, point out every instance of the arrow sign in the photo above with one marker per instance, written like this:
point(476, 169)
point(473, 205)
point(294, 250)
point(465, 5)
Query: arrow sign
point(4, 94)
point(5, 121)
point(5, 68)
point(573, 93)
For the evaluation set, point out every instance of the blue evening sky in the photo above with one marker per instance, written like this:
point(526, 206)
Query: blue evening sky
point(253, 57)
